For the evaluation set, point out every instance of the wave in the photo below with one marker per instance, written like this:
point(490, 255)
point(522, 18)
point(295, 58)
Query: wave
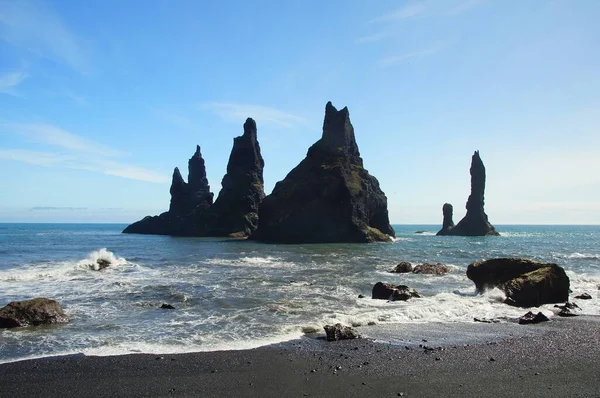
point(582, 256)
point(91, 261)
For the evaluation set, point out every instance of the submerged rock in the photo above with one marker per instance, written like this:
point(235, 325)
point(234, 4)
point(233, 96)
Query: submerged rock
point(475, 222)
point(388, 291)
point(526, 283)
point(37, 311)
point(402, 268)
point(102, 263)
point(431, 269)
point(186, 199)
point(329, 196)
point(166, 306)
point(340, 332)
point(531, 318)
point(235, 212)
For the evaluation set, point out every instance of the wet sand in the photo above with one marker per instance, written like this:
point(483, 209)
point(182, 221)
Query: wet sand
point(560, 358)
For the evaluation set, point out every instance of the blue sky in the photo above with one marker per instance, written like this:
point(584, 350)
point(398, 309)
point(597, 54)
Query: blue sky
point(99, 100)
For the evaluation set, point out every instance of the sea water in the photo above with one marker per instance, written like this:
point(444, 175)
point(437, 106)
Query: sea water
point(232, 294)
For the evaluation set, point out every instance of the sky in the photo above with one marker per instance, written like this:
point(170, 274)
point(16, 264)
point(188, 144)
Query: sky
point(101, 99)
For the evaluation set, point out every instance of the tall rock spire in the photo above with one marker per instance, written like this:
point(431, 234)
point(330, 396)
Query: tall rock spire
point(235, 212)
point(329, 196)
point(475, 222)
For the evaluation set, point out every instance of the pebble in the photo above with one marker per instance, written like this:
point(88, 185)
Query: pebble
point(492, 359)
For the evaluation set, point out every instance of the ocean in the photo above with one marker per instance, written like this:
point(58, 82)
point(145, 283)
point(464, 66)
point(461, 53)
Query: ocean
point(232, 294)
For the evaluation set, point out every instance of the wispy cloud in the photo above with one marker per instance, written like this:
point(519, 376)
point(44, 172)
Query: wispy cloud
point(373, 38)
point(465, 6)
point(174, 118)
point(72, 152)
point(37, 158)
point(10, 81)
point(54, 208)
point(39, 29)
point(406, 57)
point(262, 114)
point(408, 11)
point(54, 136)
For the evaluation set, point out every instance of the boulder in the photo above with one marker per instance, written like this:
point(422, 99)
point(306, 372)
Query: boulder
point(531, 318)
point(235, 212)
point(584, 296)
point(340, 332)
point(103, 263)
point(329, 196)
point(186, 200)
point(431, 269)
point(475, 222)
point(402, 268)
point(166, 306)
point(37, 311)
point(388, 291)
point(526, 283)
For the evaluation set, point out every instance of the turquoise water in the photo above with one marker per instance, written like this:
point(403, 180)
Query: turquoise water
point(238, 294)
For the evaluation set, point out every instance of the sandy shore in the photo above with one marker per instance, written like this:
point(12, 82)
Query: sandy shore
point(560, 358)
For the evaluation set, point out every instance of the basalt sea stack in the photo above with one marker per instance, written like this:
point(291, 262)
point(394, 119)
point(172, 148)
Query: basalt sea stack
point(329, 196)
point(186, 200)
point(475, 222)
point(235, 212)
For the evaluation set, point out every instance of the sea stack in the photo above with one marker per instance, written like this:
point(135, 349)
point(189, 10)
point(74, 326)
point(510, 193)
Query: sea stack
point(475, 222)
point(329, 196)
point(186, 200)
point(235, 212)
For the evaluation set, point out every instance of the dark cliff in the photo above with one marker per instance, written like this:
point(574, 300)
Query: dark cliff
point(329, 196)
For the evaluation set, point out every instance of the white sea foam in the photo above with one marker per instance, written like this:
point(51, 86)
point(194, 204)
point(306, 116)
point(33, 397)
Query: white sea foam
point(91, 261)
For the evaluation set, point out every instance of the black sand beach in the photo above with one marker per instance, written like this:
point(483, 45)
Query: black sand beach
point(559, 358)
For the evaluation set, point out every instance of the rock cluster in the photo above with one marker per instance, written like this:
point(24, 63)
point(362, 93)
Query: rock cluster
point(329, 196)
point(526, 283)
point(388, 291)
point(186, 200)
point(475, 222)
point(340, 332)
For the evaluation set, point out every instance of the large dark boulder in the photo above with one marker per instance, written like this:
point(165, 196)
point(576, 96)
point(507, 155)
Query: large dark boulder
point(235, 212)
point(402, 267)
point(431, 269)
point(186, 200)
point(38, 311)
point(388, 291)
point(329, 196)
point(526, 283)
point(475, 222)
point(340, 332)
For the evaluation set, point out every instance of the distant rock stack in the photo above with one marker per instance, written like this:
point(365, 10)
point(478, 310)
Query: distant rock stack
point(329, 196)
point(235, 212)
point(448, 222)
point(475, 222)
point(186, 199)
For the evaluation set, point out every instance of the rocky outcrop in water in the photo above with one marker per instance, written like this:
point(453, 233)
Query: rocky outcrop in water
point(448, 223)
point(388, 291)
point(475, 222)
point(329, 196)
point(37, 311)
point(187, 199)
point(235, 212)
point(526, 283)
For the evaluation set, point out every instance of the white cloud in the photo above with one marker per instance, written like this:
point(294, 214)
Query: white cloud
point(54, 136)
point(10, 81)
point(76, 152)
point(465, 6)
point(373, 38)
point(262, 114)
point(40, 30)
point(37, 158)
point(174, 118)
point(399, 59)
point(405, 12)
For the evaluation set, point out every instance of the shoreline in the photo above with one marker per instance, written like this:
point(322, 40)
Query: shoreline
point(557, 358)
